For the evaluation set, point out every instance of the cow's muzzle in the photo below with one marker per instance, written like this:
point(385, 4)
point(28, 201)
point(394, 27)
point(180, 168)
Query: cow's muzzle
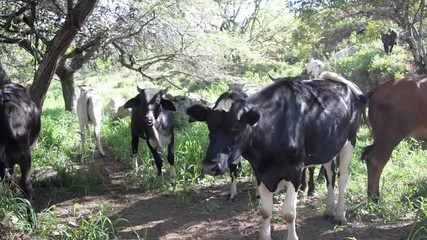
point(213, 169)
point(149, 121)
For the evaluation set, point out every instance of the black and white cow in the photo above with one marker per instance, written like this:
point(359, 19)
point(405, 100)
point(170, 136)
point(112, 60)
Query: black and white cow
point(389, 39)
point(152, 120)
point(20, 127)
point(280, 130)
point(233, 166)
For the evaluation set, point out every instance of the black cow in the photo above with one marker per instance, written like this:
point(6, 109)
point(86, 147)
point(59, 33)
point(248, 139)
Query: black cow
point(152, 120)
point(20, 127)
point(389, 39)
point(280, 130)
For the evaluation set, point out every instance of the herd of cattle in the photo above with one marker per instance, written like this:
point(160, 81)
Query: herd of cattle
point(281, 129)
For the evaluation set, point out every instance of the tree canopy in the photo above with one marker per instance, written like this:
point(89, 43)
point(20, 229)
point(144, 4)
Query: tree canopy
point(193, 41)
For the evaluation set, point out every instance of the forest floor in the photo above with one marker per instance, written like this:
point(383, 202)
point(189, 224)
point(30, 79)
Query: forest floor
point(203, 212)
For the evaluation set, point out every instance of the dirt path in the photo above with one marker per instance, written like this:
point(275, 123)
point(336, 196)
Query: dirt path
point(203, 213)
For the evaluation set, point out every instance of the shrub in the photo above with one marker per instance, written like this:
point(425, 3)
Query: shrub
point(370, 66)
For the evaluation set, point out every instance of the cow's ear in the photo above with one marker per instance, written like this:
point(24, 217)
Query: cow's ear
point(168, 105)
point(139, 89)
point(133, 102)
point(198, 112)
point(250, 117)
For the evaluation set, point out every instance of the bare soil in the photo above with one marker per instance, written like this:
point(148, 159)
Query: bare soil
point(203, 212)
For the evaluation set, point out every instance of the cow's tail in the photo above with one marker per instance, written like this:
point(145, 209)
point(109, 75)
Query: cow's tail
point(367, 149)
point(366, 119)
point(365, 152)
point(89, 103)
point(364, 113)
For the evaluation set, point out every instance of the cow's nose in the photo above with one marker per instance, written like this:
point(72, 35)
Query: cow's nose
point(148, 121)
point(212, 169)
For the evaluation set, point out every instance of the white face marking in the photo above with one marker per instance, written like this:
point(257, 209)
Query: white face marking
point(224, 105)
point(155, 139)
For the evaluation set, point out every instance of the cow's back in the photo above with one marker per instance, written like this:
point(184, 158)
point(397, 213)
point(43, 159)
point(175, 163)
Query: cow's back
point(95, 108)
point(400, 103)
point(297, 115)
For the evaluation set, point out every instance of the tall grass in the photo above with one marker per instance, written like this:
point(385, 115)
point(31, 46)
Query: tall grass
point(13, 213)
point(95, 225)
point(419, 227)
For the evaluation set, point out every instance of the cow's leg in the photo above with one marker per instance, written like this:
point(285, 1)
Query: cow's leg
point(97, 131)
point(385, 44)
point(233, 187)
point(376, 160)
point(171, 155)
point(330, 201)
point(289, 210)
point(134, 143)
point(83, 136)
point(346, 154)
point(25, 184)
point(12, 176)
point(311, 186)
point(303, 184)
point(8, 174)
point(266, 211)
point(157, 159)
point(26, 181)
point(2, 171)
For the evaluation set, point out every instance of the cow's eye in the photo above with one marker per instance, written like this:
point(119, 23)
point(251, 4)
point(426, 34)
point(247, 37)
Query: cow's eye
point(235, 128)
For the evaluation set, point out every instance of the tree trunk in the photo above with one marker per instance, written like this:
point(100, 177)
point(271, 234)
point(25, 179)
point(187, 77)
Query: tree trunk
point(418, 50)
point(60, 43)
point(66, 76)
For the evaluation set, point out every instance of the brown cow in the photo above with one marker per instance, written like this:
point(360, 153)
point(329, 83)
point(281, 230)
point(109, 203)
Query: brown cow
point(397, 109)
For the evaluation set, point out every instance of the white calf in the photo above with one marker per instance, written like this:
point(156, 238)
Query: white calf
point(90, 110)
point(315, 68)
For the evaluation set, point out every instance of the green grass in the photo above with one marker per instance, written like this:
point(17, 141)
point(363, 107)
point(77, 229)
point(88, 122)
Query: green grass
point(13, 213)
point(95, 225)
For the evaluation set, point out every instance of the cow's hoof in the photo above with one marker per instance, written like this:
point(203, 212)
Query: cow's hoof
point(230, 199)
point(341, 222)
